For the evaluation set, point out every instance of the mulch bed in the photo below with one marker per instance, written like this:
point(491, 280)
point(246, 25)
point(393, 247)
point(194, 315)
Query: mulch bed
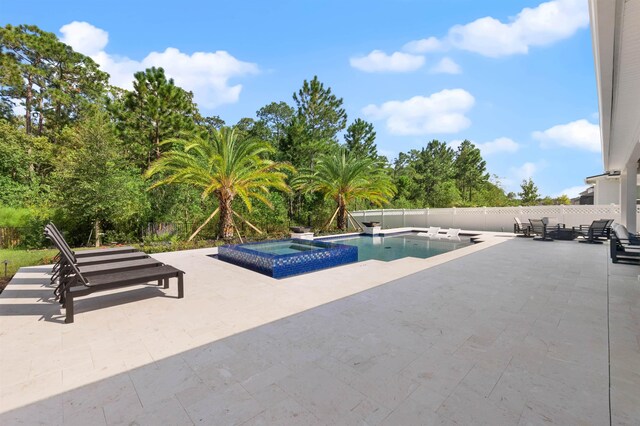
point(3, 282)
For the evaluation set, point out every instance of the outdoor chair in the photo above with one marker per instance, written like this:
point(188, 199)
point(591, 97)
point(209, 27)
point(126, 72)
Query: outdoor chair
point(75, 283)
point(539, 228)
point(521, 228)
point(452, 234)
point(431, 232)
point(61, 244)
point(592, 234)
point(93, 252)
point(624, 246)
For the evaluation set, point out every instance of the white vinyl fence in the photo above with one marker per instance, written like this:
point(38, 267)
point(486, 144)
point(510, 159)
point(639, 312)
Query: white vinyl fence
point(488, 218)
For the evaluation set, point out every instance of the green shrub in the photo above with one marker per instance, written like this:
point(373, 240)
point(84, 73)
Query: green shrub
point(11, 217)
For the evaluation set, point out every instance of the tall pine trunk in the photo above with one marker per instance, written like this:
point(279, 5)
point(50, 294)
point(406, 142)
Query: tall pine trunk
point(157, 141)
point(27, 105)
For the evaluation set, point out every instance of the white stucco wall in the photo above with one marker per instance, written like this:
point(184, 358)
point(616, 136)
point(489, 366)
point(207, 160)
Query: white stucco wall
point(607, 191)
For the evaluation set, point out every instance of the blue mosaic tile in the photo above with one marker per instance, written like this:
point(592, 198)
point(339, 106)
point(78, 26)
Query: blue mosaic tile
point(322, 255)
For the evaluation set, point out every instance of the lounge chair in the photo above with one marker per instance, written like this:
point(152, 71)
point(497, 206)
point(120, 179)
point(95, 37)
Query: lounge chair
point(431, 232)
point(452, 234)
point(521, 228)
point(55, 236)
point(58, 240)
point(624, 246)
point(73, 283)
point(77, 284)
point(592, 234)
point(539, 228)
point(92, 252)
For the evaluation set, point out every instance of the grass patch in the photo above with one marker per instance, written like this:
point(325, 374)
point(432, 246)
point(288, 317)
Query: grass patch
point(19, 258)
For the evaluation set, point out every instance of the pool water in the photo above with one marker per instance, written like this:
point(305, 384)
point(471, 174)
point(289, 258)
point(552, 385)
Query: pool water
point(398, 246)
point(284, 258)
point(283, 247)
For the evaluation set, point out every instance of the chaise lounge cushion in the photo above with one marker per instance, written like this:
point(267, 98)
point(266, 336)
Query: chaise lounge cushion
point(623, 234)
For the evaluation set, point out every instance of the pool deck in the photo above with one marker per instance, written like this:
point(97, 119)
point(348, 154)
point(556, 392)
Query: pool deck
point(513, 332)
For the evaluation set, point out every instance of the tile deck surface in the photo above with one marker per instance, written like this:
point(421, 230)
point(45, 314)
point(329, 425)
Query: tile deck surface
point(517, 333)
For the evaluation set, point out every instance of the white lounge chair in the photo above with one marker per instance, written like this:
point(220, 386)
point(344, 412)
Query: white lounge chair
point(452, 234)
point(432, 232)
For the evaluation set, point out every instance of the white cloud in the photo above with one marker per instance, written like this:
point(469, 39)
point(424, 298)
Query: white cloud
point(378, 61)
point(542, 25)
point(84, 37)
point(572, 192)
point(388, 153)
point(431, 44)
point(442, 112)
point(525, 171)
point(579, 134)
point(498, 145)
point(487, 148)
point(539, 26)
point(206, 74)
point(446, 66)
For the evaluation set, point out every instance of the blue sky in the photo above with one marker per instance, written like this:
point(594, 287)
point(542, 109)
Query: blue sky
point(516, 78)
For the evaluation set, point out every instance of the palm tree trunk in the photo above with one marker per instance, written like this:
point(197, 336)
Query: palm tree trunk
point(225, 226)
point(342, 215)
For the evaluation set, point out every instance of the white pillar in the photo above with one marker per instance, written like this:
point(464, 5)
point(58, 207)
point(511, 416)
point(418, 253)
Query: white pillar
point(628, 195)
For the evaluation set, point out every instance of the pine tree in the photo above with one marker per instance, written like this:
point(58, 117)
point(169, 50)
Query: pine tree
point(318, 120)
point(51, 81)
point(360, 139)
point(154, 111)
point(471, 170)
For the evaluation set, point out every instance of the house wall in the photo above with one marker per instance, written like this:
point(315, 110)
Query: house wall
point(607, 191)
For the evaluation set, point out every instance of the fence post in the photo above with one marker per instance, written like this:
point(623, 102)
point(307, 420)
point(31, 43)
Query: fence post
point(485, 217)
point(453, 218)
point(382, 219)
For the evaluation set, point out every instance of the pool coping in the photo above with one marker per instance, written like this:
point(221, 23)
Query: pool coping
point(278, 266)
point(409, 265)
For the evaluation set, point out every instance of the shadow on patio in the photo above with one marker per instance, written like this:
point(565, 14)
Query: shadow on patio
point(515, 333)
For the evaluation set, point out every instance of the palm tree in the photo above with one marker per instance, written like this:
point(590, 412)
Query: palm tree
point(346, 178)
point(223, 165)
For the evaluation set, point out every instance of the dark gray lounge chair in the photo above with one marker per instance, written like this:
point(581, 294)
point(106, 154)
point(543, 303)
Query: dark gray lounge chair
point(595, 233)
point(521, 228)
point(92, 252)
point(624, 247)
point(107, 257)
point(56, 238)
point(539, 228)
point(73, 283)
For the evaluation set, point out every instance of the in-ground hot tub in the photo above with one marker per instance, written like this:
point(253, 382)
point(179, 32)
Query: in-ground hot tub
point(283, 258)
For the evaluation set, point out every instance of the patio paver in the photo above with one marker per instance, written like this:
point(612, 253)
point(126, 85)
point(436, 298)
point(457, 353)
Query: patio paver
point(516, 333)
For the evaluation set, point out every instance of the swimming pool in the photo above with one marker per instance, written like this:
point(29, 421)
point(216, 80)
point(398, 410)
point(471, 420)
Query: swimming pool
point(283, 258)
point(397, 246)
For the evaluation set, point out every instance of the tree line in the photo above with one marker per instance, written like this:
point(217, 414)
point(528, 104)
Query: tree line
point(103, 162)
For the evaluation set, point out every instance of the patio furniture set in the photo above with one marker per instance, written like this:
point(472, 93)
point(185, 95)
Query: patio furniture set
point(84, 272)
point(624, 246)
